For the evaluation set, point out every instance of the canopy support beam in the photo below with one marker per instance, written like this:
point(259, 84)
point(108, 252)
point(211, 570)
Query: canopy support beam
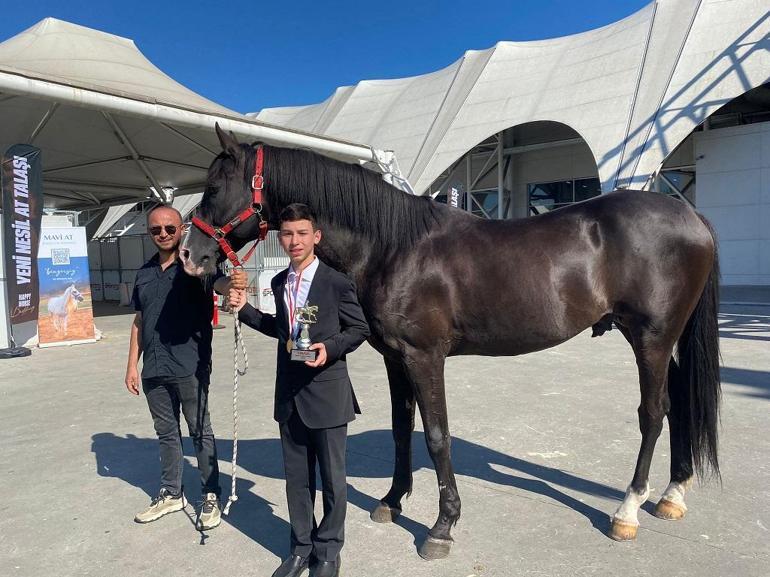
point(43, 121)
point(186, 138)
point(162, 196)
point(85, 164)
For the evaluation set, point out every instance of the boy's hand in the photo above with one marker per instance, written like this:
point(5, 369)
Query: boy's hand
point(239, 279)
point(236, 299)
point(320, 359)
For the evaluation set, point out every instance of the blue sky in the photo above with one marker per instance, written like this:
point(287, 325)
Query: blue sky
point(248, 55)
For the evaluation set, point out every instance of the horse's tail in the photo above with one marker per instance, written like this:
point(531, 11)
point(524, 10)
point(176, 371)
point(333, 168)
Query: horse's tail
point(700, 393)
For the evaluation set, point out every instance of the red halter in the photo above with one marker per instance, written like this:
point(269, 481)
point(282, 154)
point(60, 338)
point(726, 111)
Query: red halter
point(220, 234)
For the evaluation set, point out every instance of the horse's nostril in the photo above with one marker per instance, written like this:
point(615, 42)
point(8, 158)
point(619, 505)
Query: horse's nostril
point(185, 254)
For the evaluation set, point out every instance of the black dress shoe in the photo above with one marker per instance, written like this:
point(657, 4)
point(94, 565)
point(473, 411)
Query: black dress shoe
point(326, 568)
point(294, 566)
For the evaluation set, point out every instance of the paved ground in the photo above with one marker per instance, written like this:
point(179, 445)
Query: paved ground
point(544, 446)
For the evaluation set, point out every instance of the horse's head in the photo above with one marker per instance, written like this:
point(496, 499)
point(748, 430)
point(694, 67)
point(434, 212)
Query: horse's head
point(75, 294)
point(228, 192)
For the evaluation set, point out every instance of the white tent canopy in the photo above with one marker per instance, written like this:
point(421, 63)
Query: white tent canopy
point(113, 128)
point(633, 90)
point(111, 125)
point(112, 216)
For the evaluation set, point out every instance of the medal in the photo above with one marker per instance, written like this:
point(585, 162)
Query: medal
point(289, 345)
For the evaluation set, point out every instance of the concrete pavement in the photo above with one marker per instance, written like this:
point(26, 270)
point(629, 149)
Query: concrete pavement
point(544, 446)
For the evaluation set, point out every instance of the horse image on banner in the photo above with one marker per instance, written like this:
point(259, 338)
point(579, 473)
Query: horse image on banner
point(65, 289)
point(60, 308)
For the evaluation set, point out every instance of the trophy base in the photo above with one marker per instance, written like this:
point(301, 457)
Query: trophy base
point(303, 355)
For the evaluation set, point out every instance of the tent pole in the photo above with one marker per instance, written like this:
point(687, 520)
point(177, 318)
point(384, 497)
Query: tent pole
point(5, 317)
point(43, 121)
point(158, 189)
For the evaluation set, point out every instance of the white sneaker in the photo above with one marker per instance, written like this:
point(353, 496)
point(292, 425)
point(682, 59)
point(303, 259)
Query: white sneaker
point(163, 504)
point(210, 515)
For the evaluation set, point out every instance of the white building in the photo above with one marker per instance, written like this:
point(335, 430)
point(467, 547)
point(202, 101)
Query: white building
point(673, 98)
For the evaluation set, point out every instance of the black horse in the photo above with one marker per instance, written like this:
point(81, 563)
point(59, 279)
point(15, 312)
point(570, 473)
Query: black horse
point(435, 281)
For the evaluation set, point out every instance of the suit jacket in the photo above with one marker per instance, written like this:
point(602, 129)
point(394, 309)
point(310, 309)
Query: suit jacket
point(323, 396)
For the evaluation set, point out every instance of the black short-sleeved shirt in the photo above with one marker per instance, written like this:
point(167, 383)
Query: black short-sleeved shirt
point(176, 321)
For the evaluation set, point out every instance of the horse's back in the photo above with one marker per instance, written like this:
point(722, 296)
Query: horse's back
point(512, 287)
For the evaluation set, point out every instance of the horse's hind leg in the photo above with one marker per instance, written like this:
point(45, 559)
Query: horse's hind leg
point(671, 504)
point(402, 406)
point(653, 352)
point(426, 372)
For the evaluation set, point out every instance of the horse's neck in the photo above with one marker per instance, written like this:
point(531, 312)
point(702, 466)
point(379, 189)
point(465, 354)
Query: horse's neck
point(345, 250)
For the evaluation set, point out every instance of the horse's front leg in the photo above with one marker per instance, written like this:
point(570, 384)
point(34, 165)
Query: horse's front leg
point(426, 372)
point(402, 406)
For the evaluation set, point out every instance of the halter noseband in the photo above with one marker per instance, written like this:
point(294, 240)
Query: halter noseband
point(220, 234)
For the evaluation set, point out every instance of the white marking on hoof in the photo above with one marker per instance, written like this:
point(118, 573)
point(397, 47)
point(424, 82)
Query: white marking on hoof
point(675, 493)
point(627, 512)
point(671, 505)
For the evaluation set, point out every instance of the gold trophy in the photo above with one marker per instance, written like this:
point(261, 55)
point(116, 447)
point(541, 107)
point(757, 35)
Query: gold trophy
point(305, 316)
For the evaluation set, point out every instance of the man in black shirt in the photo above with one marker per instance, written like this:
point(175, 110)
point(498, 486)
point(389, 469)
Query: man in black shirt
point(172, 329)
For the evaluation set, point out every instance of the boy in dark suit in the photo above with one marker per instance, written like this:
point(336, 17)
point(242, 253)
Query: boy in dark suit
point(314, 399)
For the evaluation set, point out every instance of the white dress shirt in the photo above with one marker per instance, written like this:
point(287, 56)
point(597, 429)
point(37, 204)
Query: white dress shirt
point(304, 289)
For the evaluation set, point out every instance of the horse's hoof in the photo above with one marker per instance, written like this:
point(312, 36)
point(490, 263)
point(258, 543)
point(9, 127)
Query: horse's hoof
point(385, 513)
point(666, 509)
point(622, 531)
point(433, 548)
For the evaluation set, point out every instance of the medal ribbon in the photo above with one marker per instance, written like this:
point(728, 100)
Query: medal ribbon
point(291, 300)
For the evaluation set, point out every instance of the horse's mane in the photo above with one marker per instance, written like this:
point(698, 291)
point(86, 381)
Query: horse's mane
point(349, 196)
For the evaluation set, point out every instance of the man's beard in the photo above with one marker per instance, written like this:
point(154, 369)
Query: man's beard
point(172, 248)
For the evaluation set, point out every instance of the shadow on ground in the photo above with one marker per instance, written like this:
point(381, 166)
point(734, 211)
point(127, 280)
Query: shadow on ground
point(747, 327)
point(757, 382)
point(133, 459)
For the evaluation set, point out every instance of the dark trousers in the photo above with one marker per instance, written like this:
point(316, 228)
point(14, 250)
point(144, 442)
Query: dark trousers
point(302, 449)
point(165, 397)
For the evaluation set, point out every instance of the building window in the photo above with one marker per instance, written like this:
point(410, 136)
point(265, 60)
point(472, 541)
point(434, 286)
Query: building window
point(545, 196)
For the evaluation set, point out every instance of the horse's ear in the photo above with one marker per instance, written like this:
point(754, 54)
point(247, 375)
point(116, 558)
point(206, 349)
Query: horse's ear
point(228, 141)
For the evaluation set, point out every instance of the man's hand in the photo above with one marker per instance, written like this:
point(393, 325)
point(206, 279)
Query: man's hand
point(320, 359)
point(132, 380)
point(236, 299)
point(239, 279)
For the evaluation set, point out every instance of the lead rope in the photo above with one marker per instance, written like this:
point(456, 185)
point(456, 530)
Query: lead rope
point(236, 373)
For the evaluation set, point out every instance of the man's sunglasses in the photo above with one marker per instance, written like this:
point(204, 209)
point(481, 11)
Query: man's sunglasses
point(156, 230)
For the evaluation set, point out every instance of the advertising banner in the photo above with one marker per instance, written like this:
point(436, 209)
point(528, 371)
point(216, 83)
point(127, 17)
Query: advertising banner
point(66, 307)
point(264, 298)
point(22, 192)
point(455, 196)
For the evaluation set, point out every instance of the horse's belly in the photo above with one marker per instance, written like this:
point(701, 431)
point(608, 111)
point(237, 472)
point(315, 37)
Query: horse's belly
point(503, 347)
point(516, 339)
